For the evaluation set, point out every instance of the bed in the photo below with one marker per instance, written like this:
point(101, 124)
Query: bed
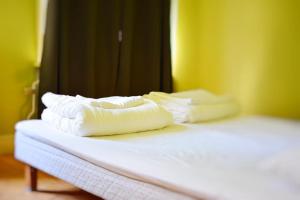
point(235, 159)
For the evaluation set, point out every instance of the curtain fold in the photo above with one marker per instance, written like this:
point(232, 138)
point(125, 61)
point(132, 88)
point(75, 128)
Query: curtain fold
point(100, 48)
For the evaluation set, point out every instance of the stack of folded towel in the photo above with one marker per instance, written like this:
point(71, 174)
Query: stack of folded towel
point(118, 115)
point(195, 105)
point(105, 116)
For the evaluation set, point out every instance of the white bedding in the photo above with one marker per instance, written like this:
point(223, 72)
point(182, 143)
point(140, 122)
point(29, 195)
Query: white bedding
point(216, 161)
point(194, 106)
point(98, 121)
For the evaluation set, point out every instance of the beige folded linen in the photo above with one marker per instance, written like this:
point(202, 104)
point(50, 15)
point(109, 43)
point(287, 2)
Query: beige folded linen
point(81, 118)
point(195, 105)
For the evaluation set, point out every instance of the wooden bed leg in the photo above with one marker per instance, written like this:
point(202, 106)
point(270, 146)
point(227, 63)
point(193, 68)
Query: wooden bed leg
point(31, 177)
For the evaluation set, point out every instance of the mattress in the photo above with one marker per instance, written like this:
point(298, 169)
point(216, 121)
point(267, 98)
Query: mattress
point(220, 160)
point(85, 175)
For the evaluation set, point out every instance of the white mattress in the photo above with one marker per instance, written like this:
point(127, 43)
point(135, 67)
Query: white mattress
point(87, 176)
point(213, 161)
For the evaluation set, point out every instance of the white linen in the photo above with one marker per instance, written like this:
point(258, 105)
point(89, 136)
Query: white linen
point(98, 121)
point(200, 96)
point(216, 160)
point(113, 102)
point(69, 106)
point(63, 105)
point(285, 164)
point(195, 105)
point(202, 113)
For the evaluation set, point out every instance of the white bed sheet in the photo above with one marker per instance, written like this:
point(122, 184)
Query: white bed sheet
point(213, 161)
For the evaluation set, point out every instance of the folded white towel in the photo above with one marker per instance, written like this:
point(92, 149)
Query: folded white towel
point(69, 106)
point(200, 96)
point(92, 121)
point(201, 113)
point(50, 99)
point(195, 105)
point(63, 105)
point(165, 97)
point(192, 97)
point(113, 102)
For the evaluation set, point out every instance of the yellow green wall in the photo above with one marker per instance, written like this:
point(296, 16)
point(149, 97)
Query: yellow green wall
point(18, 38)
point(249, 48)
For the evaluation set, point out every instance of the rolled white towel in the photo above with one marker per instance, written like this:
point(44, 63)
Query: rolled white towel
point(113, 102)
point(93, 121)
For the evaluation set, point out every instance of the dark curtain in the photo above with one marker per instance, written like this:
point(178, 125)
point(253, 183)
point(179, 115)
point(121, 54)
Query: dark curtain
point(145, 55)
point(100, 48)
